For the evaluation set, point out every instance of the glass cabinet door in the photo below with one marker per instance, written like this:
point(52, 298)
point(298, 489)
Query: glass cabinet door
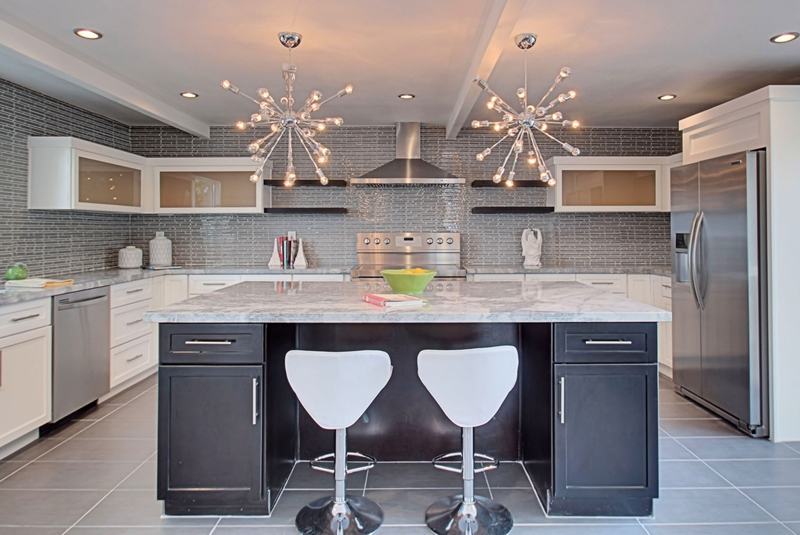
point(608, 188)
point(206, 189)
point(107, 183)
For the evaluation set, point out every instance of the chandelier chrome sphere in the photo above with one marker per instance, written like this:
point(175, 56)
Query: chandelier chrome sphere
point(285, 121)
point(521, 125)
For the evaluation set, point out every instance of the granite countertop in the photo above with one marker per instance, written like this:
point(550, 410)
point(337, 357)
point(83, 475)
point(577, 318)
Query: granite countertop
point(664, 271)
point(457, 302)
point(107, 277)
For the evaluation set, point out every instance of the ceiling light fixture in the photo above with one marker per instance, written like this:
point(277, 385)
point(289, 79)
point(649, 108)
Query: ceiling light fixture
point(189, 94)
point(785, 37)
point(286, 121)
point(668, 96)
point(86, 33)
point(406, 96)
point(520, 126)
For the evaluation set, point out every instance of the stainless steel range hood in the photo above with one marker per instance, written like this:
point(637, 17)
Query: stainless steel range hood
point(407, 167)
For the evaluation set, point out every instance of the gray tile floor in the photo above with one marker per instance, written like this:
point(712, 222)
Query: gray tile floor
point(97, 476)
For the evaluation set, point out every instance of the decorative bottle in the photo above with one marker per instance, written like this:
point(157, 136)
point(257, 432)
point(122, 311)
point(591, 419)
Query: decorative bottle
point(160, 250)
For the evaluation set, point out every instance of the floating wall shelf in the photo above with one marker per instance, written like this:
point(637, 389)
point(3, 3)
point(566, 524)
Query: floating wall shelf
point(517, 184)
point(512, 209)
point(307, 184)
point(305, 210)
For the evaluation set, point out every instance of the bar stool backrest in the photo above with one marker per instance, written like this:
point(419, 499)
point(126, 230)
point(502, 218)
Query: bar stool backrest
point(469, 384)
point(336, 388)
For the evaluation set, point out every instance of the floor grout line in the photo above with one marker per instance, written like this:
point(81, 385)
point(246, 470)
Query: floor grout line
point(78, 433)
point(215, 526)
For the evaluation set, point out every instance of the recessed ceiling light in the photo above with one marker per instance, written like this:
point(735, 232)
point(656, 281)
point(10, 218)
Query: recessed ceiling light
point(668, 96)
point(189, 94)
point(406, 96)
point(86, 33)
point(785, 37)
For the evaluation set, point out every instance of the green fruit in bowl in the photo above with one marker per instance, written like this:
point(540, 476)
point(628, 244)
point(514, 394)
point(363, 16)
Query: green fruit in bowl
point(17, 272)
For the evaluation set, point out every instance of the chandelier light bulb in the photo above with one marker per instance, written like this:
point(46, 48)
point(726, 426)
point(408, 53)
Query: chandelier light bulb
point(531, 158)
point(565, 72)
point(521, 93)
point(320, 126)
point(256, 118)
point(509, 183)
point(226, 84)
point(498, 127)
point(263, 93)
point(551, 182)
point(348, 89)
point(490, 104)
point(253, 147)
point(288, 183)
point(241, 125)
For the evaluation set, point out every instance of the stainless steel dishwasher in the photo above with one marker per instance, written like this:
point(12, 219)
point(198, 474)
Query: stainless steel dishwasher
point(81, 332)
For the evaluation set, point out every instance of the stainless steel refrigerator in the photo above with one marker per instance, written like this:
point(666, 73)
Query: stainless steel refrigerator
point(719, 287)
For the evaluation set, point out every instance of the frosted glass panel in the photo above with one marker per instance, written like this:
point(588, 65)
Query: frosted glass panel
point(608, 188)
point(106, 183)
point(207, 189)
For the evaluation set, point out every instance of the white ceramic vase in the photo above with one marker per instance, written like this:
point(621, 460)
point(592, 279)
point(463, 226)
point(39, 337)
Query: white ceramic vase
point(160, 250)
point(130, 257)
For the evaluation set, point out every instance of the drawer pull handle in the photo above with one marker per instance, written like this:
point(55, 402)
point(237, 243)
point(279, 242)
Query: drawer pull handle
point(562, 385)
point(607, 342)
point(666, 286)
point(23, 318)
point(208, 342)
point(135, 291)
point(140, 320)
point(214, 283)
point(255, 398)
point(140, 355)
point(601, 282)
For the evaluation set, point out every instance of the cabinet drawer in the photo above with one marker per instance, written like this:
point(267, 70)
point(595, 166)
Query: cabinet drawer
point(25, 316)
point(550, 277)
point(617, 284)
point(666, 291)
point(131, 358)
point(202, 284)
point(606, 342)
point(127, 322)
point(509, 277)
point(131, 292)
point(211, 343)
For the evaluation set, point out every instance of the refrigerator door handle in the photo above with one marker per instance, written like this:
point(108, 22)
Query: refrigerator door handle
point(692, 238)
point(693, 267)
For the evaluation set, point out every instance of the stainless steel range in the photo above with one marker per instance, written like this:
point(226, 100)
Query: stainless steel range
point(400, 250)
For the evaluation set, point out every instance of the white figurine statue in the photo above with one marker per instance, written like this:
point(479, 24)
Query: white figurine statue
point(532, 247)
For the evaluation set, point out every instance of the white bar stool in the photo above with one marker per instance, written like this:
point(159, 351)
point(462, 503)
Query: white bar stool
point(469, 385)
point(336, 388)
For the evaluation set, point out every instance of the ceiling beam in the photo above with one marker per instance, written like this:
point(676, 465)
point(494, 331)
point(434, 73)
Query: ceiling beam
point(60, 63)
point(499, 19)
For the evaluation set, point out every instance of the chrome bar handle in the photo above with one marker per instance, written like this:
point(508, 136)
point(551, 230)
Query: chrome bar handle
point(255, 400)
point(693, 267)
point(561, 411)
point(691, 259)
point(134, 322)
point(135, 291)
point(608, 342)
point(208, 342)
point(23, 318)
point(140, 355)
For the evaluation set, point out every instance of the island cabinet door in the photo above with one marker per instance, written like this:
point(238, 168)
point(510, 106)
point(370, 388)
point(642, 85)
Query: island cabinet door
point(211, 435)
point(606, 431)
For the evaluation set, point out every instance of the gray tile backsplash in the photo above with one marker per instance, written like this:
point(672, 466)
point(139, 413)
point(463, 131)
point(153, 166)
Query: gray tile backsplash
point(53, 242)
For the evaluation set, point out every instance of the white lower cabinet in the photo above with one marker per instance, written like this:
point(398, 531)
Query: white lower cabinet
point(25, 382)
point(127, 322)
point(614, 283)
point(132, 358)
point(175, 288)
point(134, 344)
point(640, 288)
point(203, 284)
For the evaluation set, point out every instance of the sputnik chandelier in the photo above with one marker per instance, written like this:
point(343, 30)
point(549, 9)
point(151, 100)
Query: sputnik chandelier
point(286, 122)
point(520, 126)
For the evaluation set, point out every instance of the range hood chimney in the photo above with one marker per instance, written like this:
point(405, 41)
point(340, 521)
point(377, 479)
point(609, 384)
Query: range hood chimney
point(407, 167)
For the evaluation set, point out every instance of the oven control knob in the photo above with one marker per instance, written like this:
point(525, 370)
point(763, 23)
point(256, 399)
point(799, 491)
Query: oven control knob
point(366, 241)
point(377, 241)
point(449, 241)
point(439, 287)
point(439, 241)
point(387, 241)
point(429, 241)
point(449, 287)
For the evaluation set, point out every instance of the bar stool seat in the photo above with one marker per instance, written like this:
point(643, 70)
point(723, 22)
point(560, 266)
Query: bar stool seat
point(336, 388)
point(469, 385)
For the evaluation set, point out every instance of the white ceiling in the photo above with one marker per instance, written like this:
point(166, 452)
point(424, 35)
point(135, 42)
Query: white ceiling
point(623, 54)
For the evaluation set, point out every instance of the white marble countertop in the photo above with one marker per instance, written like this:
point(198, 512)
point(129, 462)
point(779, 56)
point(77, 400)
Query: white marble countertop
point(628, 269)
point(107, 277)
point(457, 302)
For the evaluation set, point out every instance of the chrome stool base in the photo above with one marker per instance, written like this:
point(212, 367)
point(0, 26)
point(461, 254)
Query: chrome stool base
point(451, 516)
point(356, 516)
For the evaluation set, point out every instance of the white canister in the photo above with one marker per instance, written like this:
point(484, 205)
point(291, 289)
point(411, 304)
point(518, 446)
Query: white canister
point(130, 257)
point(160, 250)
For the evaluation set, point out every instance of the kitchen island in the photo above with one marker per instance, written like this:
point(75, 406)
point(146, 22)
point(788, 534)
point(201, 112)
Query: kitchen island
point(582, 417)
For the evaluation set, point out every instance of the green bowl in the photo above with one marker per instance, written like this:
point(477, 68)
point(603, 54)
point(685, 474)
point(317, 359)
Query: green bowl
point(407, 283)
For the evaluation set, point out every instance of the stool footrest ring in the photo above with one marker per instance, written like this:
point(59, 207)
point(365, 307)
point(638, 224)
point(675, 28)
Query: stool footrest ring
point(438, 462)
point(329, 458)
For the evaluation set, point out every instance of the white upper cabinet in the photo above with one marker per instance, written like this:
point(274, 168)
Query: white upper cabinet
point(608, 184)
point(65, 173)
point(207, 186)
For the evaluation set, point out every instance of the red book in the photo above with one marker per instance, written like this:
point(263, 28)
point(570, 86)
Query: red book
point(393, 300)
